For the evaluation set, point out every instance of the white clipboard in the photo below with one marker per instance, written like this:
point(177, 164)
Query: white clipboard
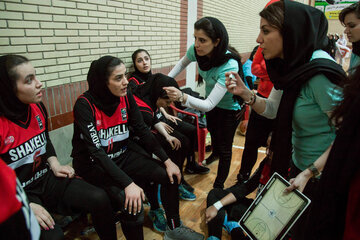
point(273, 213)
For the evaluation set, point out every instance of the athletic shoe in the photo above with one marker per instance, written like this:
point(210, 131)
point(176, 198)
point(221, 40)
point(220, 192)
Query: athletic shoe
point(212, 238)
point(242, 178)
point(212, 158)
point(194, 168)
point(185, 194)
point(159, 194)
point(229, 225)
point(182, 233)
point(187, 186)
point(158, 219)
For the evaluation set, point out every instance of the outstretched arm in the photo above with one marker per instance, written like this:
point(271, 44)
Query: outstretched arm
point(212, 211)
point(266, 107)
point(215, 96)
point(181, 65)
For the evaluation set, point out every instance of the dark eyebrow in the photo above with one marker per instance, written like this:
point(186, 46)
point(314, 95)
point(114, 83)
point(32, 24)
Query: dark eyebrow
point(30, 75)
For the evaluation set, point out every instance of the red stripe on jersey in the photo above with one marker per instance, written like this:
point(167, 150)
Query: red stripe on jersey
point(135, 80)
point(144, 107)
point(9, 203)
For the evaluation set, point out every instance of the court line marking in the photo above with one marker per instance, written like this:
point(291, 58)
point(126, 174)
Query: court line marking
point(241, 147)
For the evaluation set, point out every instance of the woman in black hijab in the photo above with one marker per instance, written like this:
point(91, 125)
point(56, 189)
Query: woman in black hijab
point(211, 53)
point(151, 96)
point(27, 148)
point(142, 68)
point(104, 155)
point(142, 65)
point(307, 84)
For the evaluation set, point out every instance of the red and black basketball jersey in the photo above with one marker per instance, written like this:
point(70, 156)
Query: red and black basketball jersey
point(9, 202)
point(110, 132)
point(148, 114)
point(134, 83)
point(102, 139)
point(23, 146)
point(14, 208)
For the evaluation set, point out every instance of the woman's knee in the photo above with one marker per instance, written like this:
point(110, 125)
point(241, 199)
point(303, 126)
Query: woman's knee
point(159, 175)
point(99, 199)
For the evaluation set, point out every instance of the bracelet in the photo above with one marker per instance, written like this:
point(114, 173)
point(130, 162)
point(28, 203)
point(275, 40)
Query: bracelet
point(252, 100)
point(218, 205)
point(314, 170)
point(181, 98)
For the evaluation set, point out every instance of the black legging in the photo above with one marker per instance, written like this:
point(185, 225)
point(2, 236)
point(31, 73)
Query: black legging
point(177, 156)
point(142, 169)
point(78, 196)
point(257, 133)
point(222, 125)
point(234, 211)
point(298, 231)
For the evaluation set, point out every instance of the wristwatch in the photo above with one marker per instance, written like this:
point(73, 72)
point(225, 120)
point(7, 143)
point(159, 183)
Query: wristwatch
point(314, 170)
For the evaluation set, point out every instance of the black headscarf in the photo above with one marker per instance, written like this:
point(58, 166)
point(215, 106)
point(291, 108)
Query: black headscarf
point(304, 31)
point(253, 52)
point(142, 77)
point(219, 56)
point(153, 89)
point(10, 106)
point(97, 79)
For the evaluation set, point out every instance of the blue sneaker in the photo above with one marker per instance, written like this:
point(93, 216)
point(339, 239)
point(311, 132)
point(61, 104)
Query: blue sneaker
point(159, 194)
point(185, 194)
point(158, 219)
point(212, 238)
point(229, 225)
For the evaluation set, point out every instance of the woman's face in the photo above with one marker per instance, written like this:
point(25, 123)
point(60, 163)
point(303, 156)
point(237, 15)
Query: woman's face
point(270, 41)
point(352, 27)
point(28, 87)
point(204, 46)
point(118, 83)
point(163, 102)
point(143, 62)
